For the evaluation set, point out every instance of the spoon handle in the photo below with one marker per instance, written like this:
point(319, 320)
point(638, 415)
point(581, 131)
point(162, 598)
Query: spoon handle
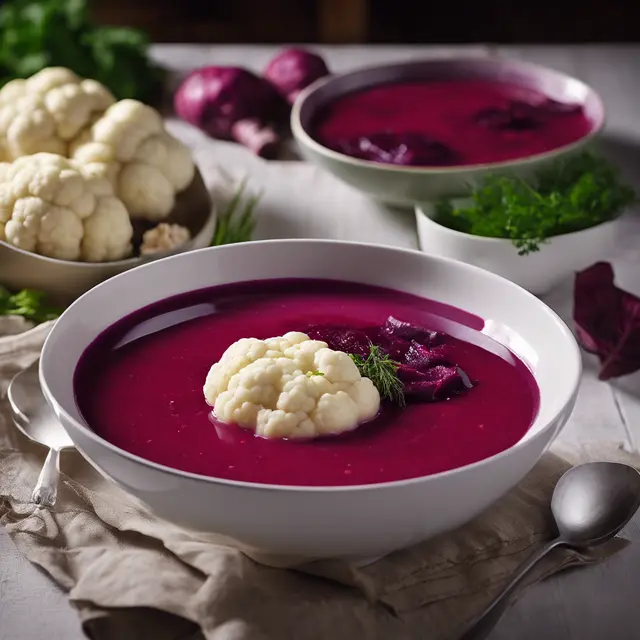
point(45, 492)
point(482, 626)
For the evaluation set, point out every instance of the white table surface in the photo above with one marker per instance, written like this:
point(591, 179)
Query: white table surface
point(596, 603)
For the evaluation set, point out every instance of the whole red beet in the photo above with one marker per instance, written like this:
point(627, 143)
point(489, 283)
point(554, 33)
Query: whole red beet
point(231, 103)
point(293, 70)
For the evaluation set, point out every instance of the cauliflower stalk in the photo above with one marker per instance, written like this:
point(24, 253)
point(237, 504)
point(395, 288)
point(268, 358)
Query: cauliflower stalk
point(289, 387)
point(57, 208)
point(129, 145)
point(46, 111)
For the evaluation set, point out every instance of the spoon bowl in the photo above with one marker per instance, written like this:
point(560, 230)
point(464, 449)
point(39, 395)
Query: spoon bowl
point(34, 417)
point(593, 502)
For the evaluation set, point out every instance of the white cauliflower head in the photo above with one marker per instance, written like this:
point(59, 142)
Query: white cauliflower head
point(148, 167)
point(52, 206)
point(44, 112)
point(164, 237)
point(289, 387)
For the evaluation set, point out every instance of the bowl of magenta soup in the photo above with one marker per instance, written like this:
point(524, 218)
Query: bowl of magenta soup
point(312, 398)
point(422, 130)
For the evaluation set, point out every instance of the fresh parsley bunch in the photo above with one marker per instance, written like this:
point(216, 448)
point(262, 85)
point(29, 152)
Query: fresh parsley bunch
point(35, 34)
point(572, 194)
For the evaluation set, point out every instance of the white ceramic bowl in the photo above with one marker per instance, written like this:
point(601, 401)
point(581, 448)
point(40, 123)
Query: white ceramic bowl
point(406, 186)
point(538, 272)
point(64, 280)
point(357, 522)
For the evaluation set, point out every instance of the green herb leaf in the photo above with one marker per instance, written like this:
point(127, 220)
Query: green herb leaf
point(382, 371)
point(39, 33)
point(27, 303)
point(236, 223)
point(310, 374)
point(570, 195)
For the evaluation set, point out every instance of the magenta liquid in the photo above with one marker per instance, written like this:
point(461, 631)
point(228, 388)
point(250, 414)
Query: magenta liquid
point(139, 386)
point(475, 121)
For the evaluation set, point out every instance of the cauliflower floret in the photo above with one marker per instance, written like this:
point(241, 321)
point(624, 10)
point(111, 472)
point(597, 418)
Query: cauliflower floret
point(44, 112)
point(289, 387)
point(50, 206)
point(164, 237)
point(236, 357)
point(337, 366)
point(131, 147)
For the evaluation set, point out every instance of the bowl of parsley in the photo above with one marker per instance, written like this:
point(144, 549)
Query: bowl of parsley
point(535, 232)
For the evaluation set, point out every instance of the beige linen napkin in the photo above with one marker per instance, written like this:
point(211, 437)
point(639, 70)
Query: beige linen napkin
point(131, 575)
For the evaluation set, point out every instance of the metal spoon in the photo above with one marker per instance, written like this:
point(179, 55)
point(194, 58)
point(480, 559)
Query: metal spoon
point(591, 504)
point(33, 416)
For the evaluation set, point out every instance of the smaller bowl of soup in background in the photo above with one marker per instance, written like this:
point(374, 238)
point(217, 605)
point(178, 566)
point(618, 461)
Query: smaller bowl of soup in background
point(538, 271)
point(406, 186)
point(321, 521)
point(64, 280)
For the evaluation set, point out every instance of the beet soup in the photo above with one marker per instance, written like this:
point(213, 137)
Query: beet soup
point(448, 123)
point(139, 385)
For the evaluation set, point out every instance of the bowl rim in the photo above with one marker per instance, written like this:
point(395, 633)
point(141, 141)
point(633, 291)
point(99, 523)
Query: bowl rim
point(125, 263)
point(425, 219)
point(320, 489)
point(300, 133)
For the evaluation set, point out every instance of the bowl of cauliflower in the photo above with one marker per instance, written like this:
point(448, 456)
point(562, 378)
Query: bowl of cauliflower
point(90, 186)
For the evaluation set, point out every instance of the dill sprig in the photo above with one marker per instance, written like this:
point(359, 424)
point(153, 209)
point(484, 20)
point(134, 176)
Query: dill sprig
point(383, 372)
point(236, 223)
